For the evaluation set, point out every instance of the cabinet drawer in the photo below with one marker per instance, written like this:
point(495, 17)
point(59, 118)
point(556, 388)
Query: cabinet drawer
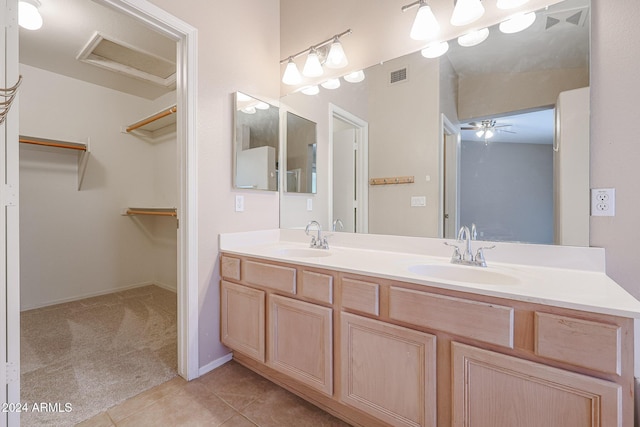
point(584, 343)
point(361, 296)
point(317, 287)
point(271, 276)
point(230, 267)
point(490, 323)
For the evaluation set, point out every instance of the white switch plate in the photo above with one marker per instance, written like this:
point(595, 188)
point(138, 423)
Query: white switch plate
point(309, 204)
point(417, 201)
point(603, 202)
point(239, 203)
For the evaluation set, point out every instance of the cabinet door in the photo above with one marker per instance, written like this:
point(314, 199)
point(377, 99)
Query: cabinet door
point(494, 390)
point(243, 319)
point(300, 341)
point(388, 371)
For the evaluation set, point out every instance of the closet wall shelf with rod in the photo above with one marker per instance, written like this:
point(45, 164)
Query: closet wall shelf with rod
point(155, 125)
point(173, 212)
point(79, 147)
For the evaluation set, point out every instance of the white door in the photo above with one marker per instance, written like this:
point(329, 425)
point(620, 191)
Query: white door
point(10, 249)
point(344, 178)
point(451, 194)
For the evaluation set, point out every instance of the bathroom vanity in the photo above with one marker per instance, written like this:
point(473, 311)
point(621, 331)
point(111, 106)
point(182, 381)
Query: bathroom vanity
point(383, 330)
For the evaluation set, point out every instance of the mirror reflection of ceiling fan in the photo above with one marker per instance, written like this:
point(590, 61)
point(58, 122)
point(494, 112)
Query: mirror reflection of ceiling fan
point(486, 129)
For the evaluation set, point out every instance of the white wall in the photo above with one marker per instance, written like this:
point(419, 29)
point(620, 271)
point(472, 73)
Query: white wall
point(238, 50)
point(615, 150)
point(76, 243)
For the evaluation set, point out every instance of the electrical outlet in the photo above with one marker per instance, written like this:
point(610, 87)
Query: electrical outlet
point(603, 202)
point(239, 203)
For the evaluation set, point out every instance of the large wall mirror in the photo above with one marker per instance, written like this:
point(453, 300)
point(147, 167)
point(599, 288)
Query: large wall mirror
point(255, 143)
point(300, 155)
point(475, 130)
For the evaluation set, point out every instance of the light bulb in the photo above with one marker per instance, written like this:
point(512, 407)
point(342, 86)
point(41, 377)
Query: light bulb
point(425, 25)
point(28, 16)
point(435, 50)
point(466, 11)
point(291, 74)
point(311, 90)
point(331, 84)
point(355, 77)
point(312, 68)
point(489, 134)
point(517, 23)
point(510, 4)
point(249, 110)
point(480, 133)
point(336, 57)
point(473, 38)
point(261, 105)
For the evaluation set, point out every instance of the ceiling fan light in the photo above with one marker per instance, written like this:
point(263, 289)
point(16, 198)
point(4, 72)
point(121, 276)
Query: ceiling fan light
point(466, 11)
point(336, 57)
point(480, 133)
point(435, 50)
point(510, 4)
point(489, 133)
point(28, 16)
point(517, 23)
point(331, 84)
point(311, 90)
point(473, 38)
point(291, 74)
point(355, 77)
point(425, 25)
point(312, 67)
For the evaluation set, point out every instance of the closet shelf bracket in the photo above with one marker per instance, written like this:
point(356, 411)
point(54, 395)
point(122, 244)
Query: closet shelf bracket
point(81, 148)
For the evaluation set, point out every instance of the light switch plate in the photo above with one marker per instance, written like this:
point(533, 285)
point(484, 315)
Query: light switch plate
point(239, 203)
point(309, 204)
point(418, 201)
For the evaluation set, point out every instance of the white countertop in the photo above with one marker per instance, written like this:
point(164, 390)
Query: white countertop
point(568, 277)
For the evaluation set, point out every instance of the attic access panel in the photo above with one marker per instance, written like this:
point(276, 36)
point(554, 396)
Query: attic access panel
point(121, 58)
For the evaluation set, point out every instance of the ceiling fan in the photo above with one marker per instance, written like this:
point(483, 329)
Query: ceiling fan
point(486, 129)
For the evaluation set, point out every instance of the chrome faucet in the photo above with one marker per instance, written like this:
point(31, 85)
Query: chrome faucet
point(338, 223)
point(467, 257)
point(318, 242)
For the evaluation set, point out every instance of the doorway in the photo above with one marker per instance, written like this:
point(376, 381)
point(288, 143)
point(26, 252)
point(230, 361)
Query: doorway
point(187, 286)
point(348, 171)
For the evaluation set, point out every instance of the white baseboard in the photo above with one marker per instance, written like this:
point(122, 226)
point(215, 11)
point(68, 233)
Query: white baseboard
point(96, 294)
point(215, 364)
point(165, 286)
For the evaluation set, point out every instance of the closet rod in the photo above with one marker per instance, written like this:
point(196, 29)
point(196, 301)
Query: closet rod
point(152, 212)
point(52, 143)
point(153, 118)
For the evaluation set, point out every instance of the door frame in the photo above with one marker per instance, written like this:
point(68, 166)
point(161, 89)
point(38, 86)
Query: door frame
point(362, 164)
point(448, 128)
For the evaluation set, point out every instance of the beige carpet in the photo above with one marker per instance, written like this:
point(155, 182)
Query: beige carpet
point(95, 353)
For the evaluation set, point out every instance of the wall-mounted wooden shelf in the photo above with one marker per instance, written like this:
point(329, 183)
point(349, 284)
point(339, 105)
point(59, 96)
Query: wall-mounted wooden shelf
point(173, 212)
point(81, 148)
point(156, 125)
point(392, 180)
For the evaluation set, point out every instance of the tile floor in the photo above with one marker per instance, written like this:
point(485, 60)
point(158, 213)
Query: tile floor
point(230, 396)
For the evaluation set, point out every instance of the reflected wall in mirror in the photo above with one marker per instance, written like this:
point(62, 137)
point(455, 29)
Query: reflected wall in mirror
point(255, 143)
point(416, 110)
point(301, 147)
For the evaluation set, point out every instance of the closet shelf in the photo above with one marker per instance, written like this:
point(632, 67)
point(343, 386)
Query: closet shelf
point(156, 125)
point(81, 148)
point(151, 211)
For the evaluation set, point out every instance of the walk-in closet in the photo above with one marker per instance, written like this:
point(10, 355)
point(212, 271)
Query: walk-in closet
point(98, 211)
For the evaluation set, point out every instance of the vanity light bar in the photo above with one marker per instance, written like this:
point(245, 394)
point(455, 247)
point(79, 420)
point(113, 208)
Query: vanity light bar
point(317, 46)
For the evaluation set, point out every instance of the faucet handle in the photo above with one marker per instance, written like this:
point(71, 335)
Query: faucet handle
point(456, 251)
point(479, 258)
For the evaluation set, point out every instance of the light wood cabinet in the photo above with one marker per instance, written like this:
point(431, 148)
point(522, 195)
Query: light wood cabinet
point(300, 341)
point(243, 319)
point(494, 390)
point(388, 371)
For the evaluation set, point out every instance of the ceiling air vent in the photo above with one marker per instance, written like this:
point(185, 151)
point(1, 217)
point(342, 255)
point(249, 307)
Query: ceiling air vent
point(398, 76)
point(128, 60)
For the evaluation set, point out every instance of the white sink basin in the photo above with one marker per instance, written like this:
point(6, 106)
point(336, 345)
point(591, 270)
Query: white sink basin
point(302, 252)
point(463, 273)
